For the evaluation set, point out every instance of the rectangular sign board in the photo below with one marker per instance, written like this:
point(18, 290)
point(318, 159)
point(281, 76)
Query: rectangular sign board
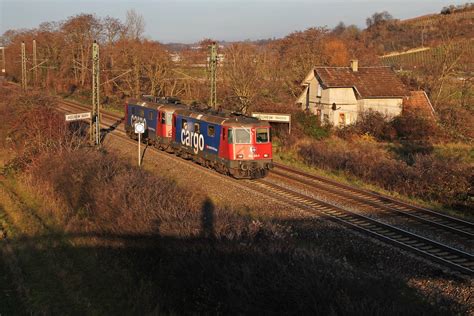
point(78, 116)
point(273, 117)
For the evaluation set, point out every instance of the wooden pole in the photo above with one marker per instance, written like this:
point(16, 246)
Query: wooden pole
point(35, 63)
point(23, 67)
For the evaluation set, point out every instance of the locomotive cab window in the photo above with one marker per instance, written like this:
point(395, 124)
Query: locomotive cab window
point(133, 110)
point(211, 130)
point(242, 136)
point(184, 124)
point(163, 121)
point(197, 128)
point(230, 136)
point(262, 135)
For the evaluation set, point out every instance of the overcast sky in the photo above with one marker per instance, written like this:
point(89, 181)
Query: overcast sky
point(188, 21)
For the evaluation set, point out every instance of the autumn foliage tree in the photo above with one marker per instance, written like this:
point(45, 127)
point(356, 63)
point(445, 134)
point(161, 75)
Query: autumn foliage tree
point(243, 67)
point(265, 73)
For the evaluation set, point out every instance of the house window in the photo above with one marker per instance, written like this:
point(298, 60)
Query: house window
point(319, 91)
point(342, 119)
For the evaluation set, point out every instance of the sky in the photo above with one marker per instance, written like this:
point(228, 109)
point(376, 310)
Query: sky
point(188, 21)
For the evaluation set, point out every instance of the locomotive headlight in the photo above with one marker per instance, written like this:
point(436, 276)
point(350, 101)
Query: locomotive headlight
point(265, 155)
point(240, 156)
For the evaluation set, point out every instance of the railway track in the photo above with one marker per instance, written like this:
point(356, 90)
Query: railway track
point(438, 220)
point(449, 257)
point(454, 259)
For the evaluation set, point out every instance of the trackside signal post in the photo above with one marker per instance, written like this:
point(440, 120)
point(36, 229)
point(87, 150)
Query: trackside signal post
point(213, 75)
point(95, 118)
point(139, 129)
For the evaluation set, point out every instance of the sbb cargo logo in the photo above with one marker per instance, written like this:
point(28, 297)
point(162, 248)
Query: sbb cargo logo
point(195, 140)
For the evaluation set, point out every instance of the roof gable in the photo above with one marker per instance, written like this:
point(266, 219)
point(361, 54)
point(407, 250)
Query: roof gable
point(369, 82)
point(419, 102)
point(308, 78)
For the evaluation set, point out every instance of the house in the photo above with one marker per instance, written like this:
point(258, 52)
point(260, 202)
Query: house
point(338, 94)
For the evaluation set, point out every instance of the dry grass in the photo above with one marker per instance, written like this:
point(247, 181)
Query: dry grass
point(445, 180)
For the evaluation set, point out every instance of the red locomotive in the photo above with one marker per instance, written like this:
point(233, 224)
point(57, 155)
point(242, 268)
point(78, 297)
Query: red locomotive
point(230, 143)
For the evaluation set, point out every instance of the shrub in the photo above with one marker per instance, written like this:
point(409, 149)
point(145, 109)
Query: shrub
point(311, 126)
point(447, 181)
point(375, 124)
point(457, 122)
point(33, 126)
point(414, 127)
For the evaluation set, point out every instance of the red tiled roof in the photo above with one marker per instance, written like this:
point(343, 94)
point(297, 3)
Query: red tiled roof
point(418, 101)
point(369, 82)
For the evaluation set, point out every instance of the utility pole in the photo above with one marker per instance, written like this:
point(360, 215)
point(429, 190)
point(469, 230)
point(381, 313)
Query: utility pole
point(35, 63)
point(95, 117)
point(23, 67)
point(213, 73)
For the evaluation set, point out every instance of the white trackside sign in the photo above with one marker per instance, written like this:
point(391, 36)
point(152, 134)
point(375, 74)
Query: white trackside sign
point(139, 128)
point(273, 117)
point(78, 116)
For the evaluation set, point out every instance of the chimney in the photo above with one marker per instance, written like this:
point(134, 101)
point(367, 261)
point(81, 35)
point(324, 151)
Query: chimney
point(355, 65)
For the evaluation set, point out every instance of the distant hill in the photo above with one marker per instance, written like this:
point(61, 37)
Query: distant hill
point(425, 56)
point(430, 30)
point(447, 13)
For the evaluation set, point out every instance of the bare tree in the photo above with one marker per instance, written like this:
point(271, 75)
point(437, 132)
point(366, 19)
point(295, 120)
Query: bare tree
point(113, 28)
point(134, 25)
point(242, 72)
point(156, 67)
point(378, 18)
point(80, 32)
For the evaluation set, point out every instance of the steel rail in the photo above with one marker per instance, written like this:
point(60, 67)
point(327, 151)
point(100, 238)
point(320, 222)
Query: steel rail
point(450, 257)
point(445, 222)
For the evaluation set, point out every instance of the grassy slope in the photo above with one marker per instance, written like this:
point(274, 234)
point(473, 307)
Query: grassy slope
point(60, 273)
point(292, 159)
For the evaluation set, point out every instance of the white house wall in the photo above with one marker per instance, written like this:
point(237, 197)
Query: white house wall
point(346, 104)
point(388, 107)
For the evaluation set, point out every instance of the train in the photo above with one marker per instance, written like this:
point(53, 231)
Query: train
point(231, 143)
